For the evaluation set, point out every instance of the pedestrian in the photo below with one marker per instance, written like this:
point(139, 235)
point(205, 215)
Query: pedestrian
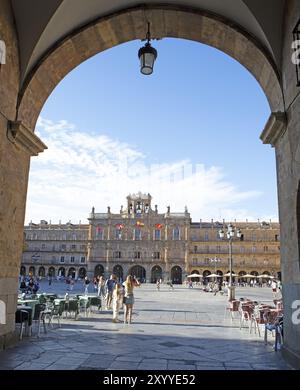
point(109, 286)
point(95, 282)
point(129, 285)
point(72, 282)
point(23, 285)
point(158, 285)
point(86, 285)
point(170, 284)
point(274, 287)
point(117, 297)
point(101, 287)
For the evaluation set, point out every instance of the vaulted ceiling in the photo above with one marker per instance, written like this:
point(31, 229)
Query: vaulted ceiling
point(40, 24)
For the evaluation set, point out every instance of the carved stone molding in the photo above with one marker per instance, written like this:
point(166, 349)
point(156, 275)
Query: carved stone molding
point(24, 138)
point(274, 128)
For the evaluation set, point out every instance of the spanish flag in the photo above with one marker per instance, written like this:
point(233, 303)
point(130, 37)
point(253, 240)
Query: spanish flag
point(158, 226)
point(140, 224)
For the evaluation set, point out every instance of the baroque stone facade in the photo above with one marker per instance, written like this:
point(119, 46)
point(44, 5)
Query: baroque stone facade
point(151, 245)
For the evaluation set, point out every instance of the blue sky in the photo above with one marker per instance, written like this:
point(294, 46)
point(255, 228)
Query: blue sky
point(105, 123)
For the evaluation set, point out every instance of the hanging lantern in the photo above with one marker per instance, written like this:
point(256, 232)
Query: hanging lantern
point(147, 55)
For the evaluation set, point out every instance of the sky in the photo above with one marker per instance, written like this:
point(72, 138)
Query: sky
point(188, 134)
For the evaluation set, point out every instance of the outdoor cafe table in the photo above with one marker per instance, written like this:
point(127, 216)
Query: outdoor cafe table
point(29, 303)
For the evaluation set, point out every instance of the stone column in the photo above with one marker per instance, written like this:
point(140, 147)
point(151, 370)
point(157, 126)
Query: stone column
point(282, 131)
point(17, 144)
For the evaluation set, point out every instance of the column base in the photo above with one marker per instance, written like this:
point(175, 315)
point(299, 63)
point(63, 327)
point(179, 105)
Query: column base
point(9, 339)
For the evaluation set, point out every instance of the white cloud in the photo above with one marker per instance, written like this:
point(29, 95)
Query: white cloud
point(81, 170)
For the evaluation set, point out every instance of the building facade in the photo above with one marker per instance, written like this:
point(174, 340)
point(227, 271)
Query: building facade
point(150, 245)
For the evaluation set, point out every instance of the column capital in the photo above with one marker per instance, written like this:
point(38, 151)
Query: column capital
point(24, 138)
point(274, 128)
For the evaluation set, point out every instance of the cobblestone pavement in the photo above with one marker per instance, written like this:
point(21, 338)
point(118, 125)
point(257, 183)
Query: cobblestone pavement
point(182, 329)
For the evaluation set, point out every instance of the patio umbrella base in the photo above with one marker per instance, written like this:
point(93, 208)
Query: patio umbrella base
point(231, 293)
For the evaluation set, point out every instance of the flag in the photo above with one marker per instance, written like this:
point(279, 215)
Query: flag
point(119, 226)
point(98, 229)
point(140, 224)
point(158, 226)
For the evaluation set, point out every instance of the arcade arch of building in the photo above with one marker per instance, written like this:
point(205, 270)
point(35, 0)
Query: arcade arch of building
point(24, 100)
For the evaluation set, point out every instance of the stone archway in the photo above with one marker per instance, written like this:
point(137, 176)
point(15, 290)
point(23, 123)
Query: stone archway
point(176, 275)
point(72, 273)
point(51, 271)
point(42, 272)
point(31, 271)
point(156, 273)
point(127, 25)
point(139, 272)
point(195, 271)
point(82, 272)
point(25, 103)
point(118, 271)
point(23, 270)
point(99, 270)
point(61, 272)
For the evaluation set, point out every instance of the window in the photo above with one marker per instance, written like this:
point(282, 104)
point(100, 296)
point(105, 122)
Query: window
point(43, 246)
point(176, 234)
point(72, 259)
point(194, 261)
point(137, 255)
point(82, 247)
point(99, 233)
point(73, 247)
point(62, 259)
point(242, 237)
point(206, 238)
point(195, 249)
point(63, 247)
point(156, 255)
point(117, 255)
point(265, 249)
point(157, 234)
point(242, 249)
point(253, 236)
point(276, 237)
point(137, 234)
point(118, 234)
point(218, 249)
point(74, 237)
point(254, 249)
point(82, 259)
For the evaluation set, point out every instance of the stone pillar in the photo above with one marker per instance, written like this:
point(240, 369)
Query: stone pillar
point(282, 131)
point(17, 144)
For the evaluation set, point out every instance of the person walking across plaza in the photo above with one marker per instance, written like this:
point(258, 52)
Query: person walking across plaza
point(129, 285)
point(158, 285)
point(101, 287)
point(117, 298)
point(109, 286)
point(86, 285)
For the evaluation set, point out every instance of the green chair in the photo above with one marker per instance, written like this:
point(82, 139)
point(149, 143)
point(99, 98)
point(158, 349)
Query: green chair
point(85, 305)
point(95, 301)
point(72, 306)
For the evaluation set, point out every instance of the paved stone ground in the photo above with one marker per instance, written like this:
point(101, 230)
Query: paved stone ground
point(182, 329)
